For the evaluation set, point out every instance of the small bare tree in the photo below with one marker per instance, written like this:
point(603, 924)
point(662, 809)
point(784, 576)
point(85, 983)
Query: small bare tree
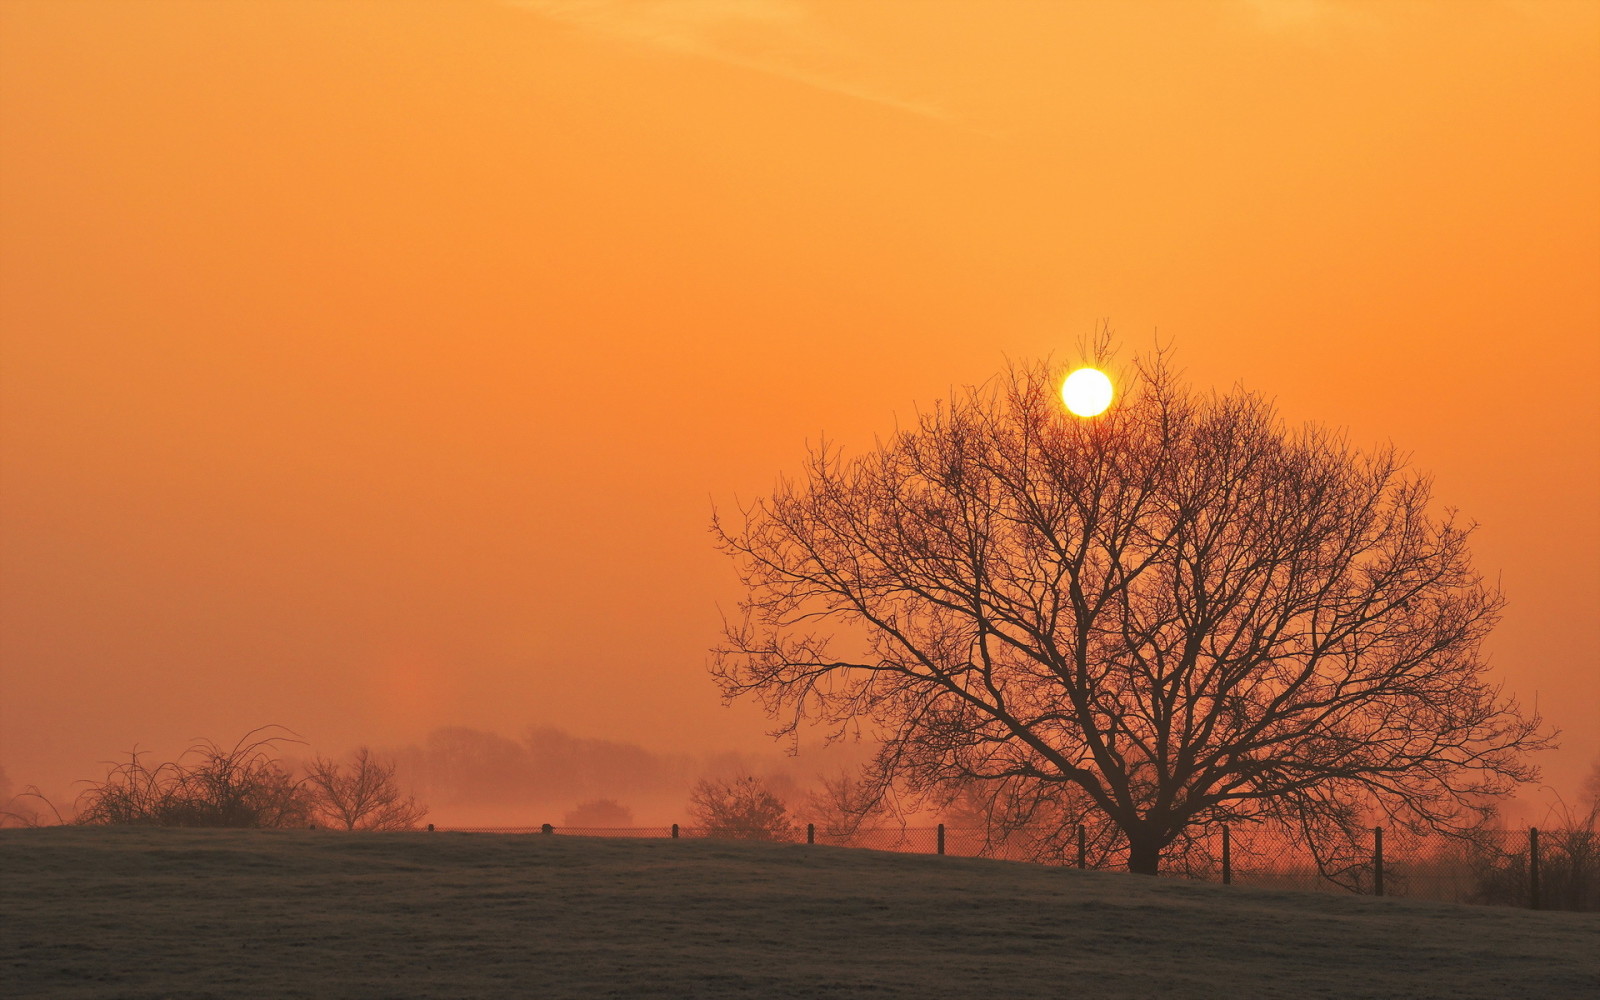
point(1175, 614)
point(360, 795)
point(844, 805)
point(740, 809)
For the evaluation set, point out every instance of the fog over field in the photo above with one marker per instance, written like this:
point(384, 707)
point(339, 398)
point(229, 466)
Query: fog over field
point(470, 777)
point(476, 778)
point(141, 913)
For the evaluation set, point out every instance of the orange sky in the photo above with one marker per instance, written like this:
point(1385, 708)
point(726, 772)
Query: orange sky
point(369, 367)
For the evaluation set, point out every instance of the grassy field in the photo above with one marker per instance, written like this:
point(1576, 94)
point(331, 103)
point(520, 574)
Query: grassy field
point(175, 914)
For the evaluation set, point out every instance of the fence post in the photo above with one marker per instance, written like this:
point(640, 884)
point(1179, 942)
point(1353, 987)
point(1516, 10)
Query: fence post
point(1227, 857)
point(1083, 848)
point(674, 831)
point(1377, 861)
point(941, 838)
point(1533, 867)
point(811, 833)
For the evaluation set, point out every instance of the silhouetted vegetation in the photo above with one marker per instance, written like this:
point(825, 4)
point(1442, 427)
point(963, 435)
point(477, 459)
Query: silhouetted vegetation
point(1569, 871)
point(360, 795)
point(25, 808)
point(1175, 615)
point(248, 785)
point(210, 785)
point(844, 805)
point(1568, 862)
point(741, 809)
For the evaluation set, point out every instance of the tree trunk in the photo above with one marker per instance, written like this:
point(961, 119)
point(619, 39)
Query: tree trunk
point(1144, 856)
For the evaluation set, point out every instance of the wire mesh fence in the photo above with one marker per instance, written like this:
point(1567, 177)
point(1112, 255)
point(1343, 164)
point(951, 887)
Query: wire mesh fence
point(1542, 869)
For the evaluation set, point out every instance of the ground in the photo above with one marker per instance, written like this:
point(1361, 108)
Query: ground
point(133, 913)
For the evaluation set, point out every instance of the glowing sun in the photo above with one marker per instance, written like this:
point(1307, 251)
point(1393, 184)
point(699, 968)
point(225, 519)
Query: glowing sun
point(1087, 392)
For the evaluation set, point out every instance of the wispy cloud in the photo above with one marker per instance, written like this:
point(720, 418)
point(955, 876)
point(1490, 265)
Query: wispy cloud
point(777, 38)
point(1308, 15)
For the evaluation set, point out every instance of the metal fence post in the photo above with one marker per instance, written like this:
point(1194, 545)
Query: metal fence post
point(811, 833)
point(941, 838)
point(1377, 861)
point(1083, 848)
point(674, 831)
point(1533, 867)
point(1227, 857)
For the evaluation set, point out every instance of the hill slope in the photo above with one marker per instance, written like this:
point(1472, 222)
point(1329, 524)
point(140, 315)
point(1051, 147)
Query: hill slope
point(188, 914)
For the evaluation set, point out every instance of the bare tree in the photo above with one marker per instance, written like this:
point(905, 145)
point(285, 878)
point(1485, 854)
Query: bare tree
point(741, 809)
point(361, 796)
point(843, 805)
point(1177, 613)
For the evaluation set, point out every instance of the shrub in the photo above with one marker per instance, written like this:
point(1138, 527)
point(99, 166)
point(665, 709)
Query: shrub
point(1569, 862)
point(207, 786)
point(740, 809)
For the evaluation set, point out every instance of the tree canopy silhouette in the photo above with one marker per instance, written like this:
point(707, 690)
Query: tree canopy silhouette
point(1178, 613)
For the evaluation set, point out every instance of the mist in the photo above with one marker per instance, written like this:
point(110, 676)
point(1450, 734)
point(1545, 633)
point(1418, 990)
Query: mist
point(471, 777)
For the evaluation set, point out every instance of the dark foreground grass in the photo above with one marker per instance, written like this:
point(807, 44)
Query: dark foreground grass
point(188, 914)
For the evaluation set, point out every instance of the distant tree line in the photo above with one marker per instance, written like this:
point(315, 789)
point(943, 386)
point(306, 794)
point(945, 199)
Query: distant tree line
point(461, 766)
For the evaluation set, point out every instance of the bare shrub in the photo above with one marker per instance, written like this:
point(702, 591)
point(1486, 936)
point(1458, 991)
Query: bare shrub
point(27, 808)
point(1569, 859)
point(360, 795)
point(209, 785)
point(741, 809)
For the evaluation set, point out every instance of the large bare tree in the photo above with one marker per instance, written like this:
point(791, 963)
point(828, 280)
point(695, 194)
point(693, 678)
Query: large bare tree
point(1177, 613)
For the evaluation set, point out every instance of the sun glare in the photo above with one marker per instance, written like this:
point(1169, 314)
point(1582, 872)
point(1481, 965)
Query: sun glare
point(1087, 392)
